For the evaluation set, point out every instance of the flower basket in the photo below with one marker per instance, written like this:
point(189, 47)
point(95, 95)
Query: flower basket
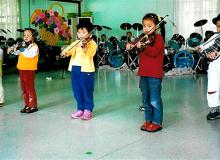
point(53, 27)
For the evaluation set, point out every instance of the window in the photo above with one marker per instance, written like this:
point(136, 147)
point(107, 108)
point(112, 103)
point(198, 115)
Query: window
point(9, 18)
point(187, 12)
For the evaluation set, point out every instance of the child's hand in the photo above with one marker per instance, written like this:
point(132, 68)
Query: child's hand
point(63, 54)
point(212, 55)
point(139, 44)
point(9, 50)
point(12, 49)
point(129, 46)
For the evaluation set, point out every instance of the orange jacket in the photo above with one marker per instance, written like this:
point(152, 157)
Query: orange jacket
point(28, 63)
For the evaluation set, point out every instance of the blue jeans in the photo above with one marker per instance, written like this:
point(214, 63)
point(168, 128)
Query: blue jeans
point(83, 87)
point(151, 94)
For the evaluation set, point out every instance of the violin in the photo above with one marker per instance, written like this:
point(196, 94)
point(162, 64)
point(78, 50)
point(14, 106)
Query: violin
point(85, 42)
point(22, 44)
point(144, 39)
point(147, 41)
point(18, 46)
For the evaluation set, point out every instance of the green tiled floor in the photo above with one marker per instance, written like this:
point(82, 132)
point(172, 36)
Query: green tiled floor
point(113, 133)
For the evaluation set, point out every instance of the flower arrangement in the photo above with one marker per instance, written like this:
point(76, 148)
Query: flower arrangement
point(50, 21)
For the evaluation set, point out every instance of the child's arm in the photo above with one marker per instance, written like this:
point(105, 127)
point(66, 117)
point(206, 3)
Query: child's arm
point(30, 52)
point(70, 50)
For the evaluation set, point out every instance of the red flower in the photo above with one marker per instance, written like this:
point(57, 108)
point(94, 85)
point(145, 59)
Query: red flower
point(60, 33)
point(55, 13)
point(45, 19)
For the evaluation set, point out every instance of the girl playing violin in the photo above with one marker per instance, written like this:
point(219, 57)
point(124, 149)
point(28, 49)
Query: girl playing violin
point(27, 65)
point(82, 70)
point(151, 73)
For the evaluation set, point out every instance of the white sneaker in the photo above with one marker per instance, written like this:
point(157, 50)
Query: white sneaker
point(49, 78)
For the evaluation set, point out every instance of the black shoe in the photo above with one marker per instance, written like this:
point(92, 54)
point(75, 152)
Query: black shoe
point(1, 104)
point(24, 109)
point(31, 110)
point(142, 108)
point(213, 114)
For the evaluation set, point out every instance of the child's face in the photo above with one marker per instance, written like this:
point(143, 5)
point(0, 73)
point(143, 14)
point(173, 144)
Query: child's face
point(129, 34)
point(103, 38)
point(28, 36)
point(218, 26)
point(82, 32)
point(148, 24)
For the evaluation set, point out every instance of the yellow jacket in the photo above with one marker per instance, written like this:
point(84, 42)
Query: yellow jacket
point(82, 56)
point(28, 59)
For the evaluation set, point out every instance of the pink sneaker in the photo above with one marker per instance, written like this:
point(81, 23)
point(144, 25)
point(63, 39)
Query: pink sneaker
point(87, 115)
point(77, 114)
